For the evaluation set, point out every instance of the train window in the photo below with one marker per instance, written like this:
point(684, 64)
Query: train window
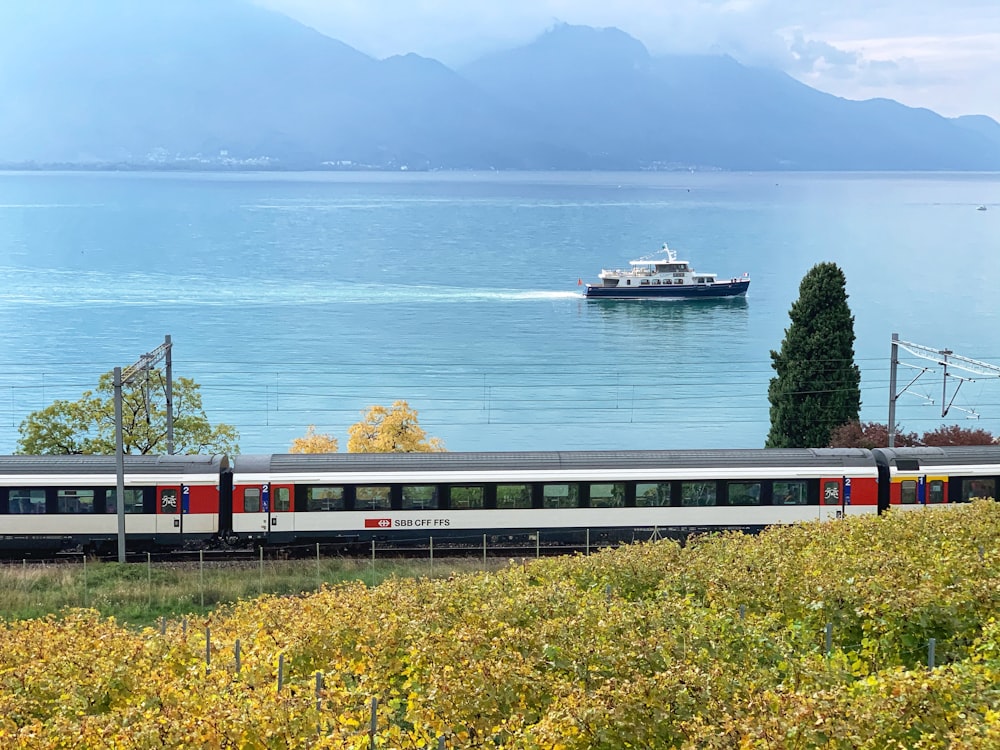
point(831, 493)
point(325, 498)
point(607, 495)
point(282, 499)
point(513, 496)
point(973, 488)
point(24, 502)
point(75, 501)
point(133, 501)
point(743, 493)
point(935, 491)
point(466, 498)
point(652, 494)
point(420, 497)
point(908, 491)
point(251, 499)
point(790, 493)
point(560, 496)
point(697, 493)
point(372, 498)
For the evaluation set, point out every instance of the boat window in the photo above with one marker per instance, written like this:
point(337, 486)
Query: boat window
point(652, 494)
point(656, 282)
point(466, 498)
point(645, 282)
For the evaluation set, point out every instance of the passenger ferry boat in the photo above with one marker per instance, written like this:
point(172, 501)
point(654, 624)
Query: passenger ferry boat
point(662, 276)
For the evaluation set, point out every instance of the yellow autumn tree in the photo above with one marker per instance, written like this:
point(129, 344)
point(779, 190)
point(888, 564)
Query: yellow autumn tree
point(313, 442)
point(393, 430)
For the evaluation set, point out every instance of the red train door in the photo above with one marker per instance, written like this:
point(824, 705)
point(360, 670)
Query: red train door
point(276, 501)
point(834, 496)
point(169, 518)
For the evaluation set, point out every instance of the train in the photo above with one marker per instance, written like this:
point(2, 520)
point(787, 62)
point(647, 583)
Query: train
point(56, 504)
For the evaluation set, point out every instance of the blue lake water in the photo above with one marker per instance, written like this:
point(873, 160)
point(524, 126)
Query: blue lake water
point(297, 299)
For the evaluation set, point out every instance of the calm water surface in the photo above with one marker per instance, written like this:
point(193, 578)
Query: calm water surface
point(298, 299)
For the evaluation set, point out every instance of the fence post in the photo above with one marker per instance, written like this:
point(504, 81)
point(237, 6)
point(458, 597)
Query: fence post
point(538, 544)
point(374, 723)
point(743, 611)
point(432, 555)
point(85, 593)
point(201, 576)
point(373, 563)
point(930, 652)
point(484, 551)
point(163, 626)
point(829, 638)
point(208, 649)
point(319, 577)
point(149, 580)
point(281, 671)
point(319, 690)
point(236, 650)
point(588, 542)
point(262, 570)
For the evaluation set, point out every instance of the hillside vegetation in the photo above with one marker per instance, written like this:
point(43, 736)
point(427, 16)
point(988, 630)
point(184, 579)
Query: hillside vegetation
point(816, 635)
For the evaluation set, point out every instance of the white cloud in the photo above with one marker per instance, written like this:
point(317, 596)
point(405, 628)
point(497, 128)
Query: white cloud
point(928, 53)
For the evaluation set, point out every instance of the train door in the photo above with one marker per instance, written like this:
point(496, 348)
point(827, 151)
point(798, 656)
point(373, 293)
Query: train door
point(834, 497)
point(276, 504)
point(169, 515)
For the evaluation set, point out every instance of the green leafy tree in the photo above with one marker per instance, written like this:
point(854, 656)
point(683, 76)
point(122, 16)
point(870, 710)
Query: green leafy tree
point(818, 386)
point(88, 425)
point(393, 430)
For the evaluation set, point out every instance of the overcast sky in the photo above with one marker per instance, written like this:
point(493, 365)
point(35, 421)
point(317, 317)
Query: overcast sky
point(940, 54)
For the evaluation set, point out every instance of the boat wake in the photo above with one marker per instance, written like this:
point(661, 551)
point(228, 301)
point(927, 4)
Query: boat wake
point(62, 289)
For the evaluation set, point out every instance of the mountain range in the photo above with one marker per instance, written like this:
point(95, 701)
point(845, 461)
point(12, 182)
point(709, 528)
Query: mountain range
point(225, 83)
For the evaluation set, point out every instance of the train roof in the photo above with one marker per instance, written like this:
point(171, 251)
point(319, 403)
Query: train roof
point(553, 460)
point(79, 464)
point(913, 459)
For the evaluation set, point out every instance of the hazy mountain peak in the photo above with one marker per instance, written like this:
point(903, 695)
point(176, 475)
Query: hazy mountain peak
point(206, 82)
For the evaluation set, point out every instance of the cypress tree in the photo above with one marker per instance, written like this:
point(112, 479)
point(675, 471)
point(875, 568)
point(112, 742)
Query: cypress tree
point(818, 386)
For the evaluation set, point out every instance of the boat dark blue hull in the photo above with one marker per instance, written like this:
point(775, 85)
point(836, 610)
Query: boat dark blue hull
point(701, 291)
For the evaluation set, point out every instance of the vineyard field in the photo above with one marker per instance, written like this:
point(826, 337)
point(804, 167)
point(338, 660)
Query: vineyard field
point(872, 632)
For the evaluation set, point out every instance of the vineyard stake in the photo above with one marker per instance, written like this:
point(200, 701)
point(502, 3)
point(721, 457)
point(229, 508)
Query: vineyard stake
point(201, 575)
point(236, 649)
point(930, 652)
point(374, 724)
point(281, 670)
